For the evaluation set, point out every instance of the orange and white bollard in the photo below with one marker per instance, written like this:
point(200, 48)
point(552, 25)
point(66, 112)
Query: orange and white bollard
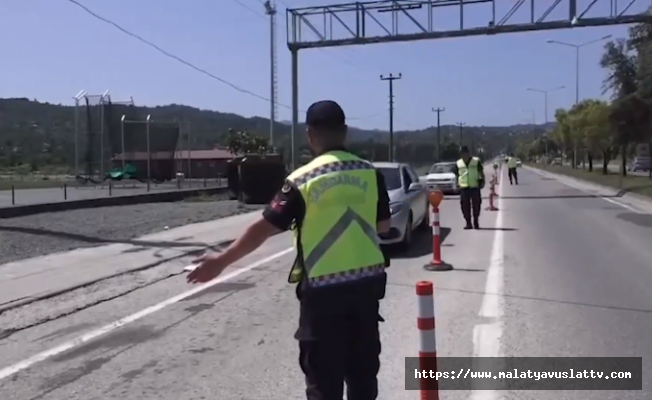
point(436, 264)
point(429, 387)
point(492, 195)
point(436, 231)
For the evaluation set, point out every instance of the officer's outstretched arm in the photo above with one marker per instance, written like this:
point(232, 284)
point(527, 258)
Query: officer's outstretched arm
point(252, 238)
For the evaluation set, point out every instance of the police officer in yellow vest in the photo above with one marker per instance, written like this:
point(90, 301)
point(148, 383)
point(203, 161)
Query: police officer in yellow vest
point(470, 179)
point(512, 164)
point(337, 205)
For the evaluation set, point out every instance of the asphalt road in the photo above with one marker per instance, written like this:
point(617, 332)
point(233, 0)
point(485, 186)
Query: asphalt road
point(53, 195)
point(555, 272)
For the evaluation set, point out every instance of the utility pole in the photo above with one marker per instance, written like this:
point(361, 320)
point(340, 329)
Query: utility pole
point(438, 111)
point(461, 125)
point(270, 9)
point(391, 78)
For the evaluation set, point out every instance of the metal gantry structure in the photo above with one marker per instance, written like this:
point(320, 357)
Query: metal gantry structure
point(362, 23)
point(270, 9)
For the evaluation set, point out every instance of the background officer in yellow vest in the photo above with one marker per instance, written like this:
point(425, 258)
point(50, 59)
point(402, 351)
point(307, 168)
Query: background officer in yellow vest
point(337, 205)
point(470, 179)
point(512, 164)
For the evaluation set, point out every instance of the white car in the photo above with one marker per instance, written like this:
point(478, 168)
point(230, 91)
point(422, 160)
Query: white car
point(442, 177)
point(408, 203)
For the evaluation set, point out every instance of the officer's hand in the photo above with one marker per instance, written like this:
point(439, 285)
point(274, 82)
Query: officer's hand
point(210, 266)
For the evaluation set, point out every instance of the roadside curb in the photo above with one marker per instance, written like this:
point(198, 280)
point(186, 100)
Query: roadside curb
point(637, 199)
point(53, 293)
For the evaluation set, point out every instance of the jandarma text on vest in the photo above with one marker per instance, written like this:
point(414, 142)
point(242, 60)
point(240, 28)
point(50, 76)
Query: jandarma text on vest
point(326, 183)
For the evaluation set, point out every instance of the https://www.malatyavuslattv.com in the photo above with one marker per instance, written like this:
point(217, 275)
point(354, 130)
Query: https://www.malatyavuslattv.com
point(467, 373)
point(523, 373)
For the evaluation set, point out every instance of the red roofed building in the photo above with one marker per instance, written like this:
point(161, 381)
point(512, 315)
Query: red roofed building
point(208, 164)
point(198, 164)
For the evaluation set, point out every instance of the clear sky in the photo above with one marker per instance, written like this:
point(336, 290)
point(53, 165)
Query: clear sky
point(51, 49)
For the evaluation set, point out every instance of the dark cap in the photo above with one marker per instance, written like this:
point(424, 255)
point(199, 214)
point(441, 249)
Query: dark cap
point(464, 149)
point(325, 114)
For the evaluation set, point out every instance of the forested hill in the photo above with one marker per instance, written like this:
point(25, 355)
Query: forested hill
point(29, 128)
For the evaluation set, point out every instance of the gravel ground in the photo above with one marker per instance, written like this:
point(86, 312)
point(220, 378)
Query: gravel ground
point(37, 235)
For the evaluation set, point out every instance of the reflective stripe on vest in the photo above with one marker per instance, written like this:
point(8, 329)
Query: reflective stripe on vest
point(329, 240)
point(468, 175)
point(370, 254)
point(511, 162)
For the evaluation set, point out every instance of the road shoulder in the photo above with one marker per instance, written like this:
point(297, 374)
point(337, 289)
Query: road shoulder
point(632, 201)
point(33, 279)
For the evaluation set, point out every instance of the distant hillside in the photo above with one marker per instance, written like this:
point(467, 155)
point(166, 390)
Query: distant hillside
point(31, 128)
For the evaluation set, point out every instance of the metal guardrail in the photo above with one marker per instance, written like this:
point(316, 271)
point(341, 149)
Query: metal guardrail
point(21, 193)
point(128, 199)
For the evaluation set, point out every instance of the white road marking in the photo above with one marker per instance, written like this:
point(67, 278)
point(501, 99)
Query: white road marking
point(564, 182)
point(22, 365)
point(486, 337)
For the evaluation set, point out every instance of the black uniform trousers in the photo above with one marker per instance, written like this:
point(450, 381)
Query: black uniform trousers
point(511, 172)
point(338, 347)
point(470, 198)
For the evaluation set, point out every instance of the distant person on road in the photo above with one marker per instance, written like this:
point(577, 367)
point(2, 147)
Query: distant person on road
point(337, 205)
point(512, 164)
point(470, 179)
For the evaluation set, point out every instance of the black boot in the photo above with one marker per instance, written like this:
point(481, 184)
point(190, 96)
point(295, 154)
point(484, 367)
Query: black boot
point(468, 225)
point(476, 223)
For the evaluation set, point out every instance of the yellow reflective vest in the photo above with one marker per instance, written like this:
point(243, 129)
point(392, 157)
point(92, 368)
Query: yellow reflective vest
point(337, 240)
point(468, 176)
point(511, 162)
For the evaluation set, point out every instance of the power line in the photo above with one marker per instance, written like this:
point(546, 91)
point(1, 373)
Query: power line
point(247, 7)
point(181, 60)
point(167, 53)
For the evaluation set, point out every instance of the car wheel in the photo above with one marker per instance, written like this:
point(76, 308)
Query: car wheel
point(407, 237)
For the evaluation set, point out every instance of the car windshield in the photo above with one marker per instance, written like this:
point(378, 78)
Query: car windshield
point(442, 168)
point(392, 177)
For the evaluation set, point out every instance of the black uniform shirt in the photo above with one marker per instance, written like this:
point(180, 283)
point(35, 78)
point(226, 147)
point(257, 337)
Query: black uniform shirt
point(288, 206)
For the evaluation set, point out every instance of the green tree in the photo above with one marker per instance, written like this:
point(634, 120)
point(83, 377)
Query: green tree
point(561, 134)
point(592, 129)
point(628, 110)
point(242, 142)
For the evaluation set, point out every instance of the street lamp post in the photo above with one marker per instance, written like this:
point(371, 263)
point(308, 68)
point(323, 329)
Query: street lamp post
point(577, 48)
point(545, 98)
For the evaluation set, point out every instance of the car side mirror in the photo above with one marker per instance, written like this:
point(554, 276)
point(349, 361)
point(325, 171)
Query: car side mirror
point(415, 187)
